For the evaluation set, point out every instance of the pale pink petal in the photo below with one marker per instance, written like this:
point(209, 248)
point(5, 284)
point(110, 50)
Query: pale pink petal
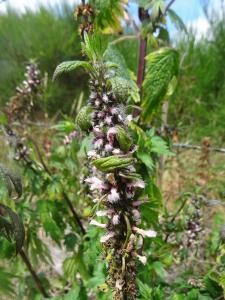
point(106, 237)
point(114, 196)
point(101, 213)
point(145, 233)
point(96, 223)
point(116, 220)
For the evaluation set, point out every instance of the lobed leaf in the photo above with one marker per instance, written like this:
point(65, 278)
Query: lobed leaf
point(11, 179)
point(11, 226)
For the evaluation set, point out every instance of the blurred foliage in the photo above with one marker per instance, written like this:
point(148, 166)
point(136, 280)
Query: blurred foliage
point(198, 106)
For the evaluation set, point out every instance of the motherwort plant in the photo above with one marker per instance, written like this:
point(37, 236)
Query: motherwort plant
point(114, 182)
point(22, 105)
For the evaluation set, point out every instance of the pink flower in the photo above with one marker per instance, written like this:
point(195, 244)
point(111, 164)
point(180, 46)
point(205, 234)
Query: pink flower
point(108, 147)
point(101, 213)
point(136, 215)
point(145, 233)
point(97, 132)
point(114, 196)
point(97, 103)
point(140, 184)
point(105, 98)
point(111, 134)
point(106, 237)
point(143, 259)
point(98, 144)
point(116, 151)
point(137, 203)
point(67, 141)
point(114, 111)
point(116, 220)
point(73, 134)
point(92, 154)
point(96, 183)
point(96, 223)
point(108, 120)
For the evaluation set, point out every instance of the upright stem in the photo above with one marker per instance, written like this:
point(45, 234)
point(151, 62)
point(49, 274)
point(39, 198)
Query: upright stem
point(34, 274)
point(143, 15)
point(141, 62)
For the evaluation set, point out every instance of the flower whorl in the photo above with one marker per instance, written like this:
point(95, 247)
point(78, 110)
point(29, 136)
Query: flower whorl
point(114, 183)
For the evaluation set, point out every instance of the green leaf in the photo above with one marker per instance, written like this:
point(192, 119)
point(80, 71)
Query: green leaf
point(11, 226)
point(145, 290)
point(11, 179)
point(64, 126)
point(112, 54)
point(162, 67)
point(3, 119)
point(157, 266)
point(146, 159)
point(6, 284)
point(68, 66)
point(108, 15)
point(93, 47)
point(159, 146)
point(177, 20)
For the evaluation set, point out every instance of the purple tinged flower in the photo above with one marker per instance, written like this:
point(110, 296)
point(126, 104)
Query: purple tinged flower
point(67, 141)
point(100, 114)
point(120, 118)
point(98, 144)
point(101, 213)
point(116, 220)
point(145, 233)
point(129, 118)
point(93, 95)
point(114, 196)
point(111, 134)
point(73, 134)
point(105, 98)
point(136, 215)
point(92, 154)
point(108, 120)
point(97, 103)
point(119, 284)
point(114, 111)
point(97, 132)
point(142, 259)
point(96, 183)
point(117, 151)
point(107, 236)
point(137, 203)
point(108, 148)
point(96, 223)
point(139, 183)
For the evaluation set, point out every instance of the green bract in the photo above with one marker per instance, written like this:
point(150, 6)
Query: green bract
point(123, 138)
point(112, 163)
point(83, 118)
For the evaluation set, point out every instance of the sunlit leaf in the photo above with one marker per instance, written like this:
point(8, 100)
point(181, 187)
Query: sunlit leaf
point(68, 66)
point(162, 67)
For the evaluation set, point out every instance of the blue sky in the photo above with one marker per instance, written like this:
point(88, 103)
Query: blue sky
point(190, 11)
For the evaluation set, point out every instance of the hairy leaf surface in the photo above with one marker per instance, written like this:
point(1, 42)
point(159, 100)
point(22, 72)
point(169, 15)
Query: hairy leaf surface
point(162, 67)
point(68, 66)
